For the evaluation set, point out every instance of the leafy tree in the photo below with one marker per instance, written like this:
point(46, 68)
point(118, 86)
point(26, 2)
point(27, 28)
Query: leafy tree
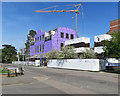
point(112, 47)
point(29, 42)
point(88, 54)
point(0, 55)
point(21, 57)
point(9, 54)
point(54, 54)
point(66, 53)
point(32, 33)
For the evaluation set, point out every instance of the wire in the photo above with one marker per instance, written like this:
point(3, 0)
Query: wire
point(82, 12)
point(69, 7)
point(82, 21)
point(58, 6)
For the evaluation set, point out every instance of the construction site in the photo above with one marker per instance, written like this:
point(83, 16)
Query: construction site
point(56, 38)
point(59, 37)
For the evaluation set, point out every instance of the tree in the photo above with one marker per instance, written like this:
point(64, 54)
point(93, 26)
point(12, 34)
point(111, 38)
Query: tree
point(54, 54)
point(112, 47)
point(29, 42)
point(32, 33)
point(0, 55)
point(9, 54)
point(66, 53)
point(88, 54)
point(21, 57)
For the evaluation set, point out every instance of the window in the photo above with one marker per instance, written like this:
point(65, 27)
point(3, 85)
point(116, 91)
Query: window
point(40, 48)
point(62, 35)
point(35, 39)
point(35, 49)
point(42, 37)
point(48, 38)
point(98, 39)
point(43, 48)
point(38, 39)
point(61, 45)
point(67, 36)
point(72, 36)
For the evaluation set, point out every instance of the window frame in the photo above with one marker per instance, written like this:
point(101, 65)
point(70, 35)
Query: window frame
point(71, 36)
point(35, 39)
point(43, 48)
point(40, 38)
point(61, 46)
point(98, 39)
point(40, 48)
point(61, 34)
point(43, 37)
point(67, 35)
point(35, 49)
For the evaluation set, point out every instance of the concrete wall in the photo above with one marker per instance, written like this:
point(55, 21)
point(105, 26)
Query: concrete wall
point(78, 40)
point(80, 64)
point(23, 62)
point(100, 38)
point(37, 62)
point(81, 49)
point(98, 50)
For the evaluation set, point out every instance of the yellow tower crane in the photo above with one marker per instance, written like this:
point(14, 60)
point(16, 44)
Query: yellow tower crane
point(64, 10)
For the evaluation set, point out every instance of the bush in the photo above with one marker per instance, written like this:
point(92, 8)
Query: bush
point(88, 54)
point(67, 52)
point(119, 71)
point(54, 54)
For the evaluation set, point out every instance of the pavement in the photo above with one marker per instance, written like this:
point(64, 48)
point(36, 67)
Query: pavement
point(43, 80)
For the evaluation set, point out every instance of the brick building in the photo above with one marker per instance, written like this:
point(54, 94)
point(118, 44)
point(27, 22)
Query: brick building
point(114, 26)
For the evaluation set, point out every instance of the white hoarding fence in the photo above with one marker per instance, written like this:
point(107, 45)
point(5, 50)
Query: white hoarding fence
point(23, 62)
point(80, 64)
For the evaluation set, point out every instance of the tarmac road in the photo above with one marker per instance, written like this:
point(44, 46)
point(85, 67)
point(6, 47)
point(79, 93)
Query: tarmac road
point(41, 80)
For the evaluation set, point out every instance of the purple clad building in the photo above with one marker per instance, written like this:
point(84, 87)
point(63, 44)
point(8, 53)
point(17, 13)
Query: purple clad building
point(54, 39)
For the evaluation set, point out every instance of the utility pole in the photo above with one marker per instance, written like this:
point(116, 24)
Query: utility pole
point(23, 54)
point(18, 56)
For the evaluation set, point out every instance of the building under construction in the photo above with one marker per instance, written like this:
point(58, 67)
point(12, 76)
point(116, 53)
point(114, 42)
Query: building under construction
point(56, 39)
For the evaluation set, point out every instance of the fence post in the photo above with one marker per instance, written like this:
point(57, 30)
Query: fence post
point(22, 70)
point(16, 72)
point(8, 73)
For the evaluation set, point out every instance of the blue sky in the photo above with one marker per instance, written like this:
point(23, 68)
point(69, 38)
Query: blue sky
point(19, 17)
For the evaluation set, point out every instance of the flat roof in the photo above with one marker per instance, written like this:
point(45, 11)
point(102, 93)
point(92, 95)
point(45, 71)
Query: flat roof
point(115, 20)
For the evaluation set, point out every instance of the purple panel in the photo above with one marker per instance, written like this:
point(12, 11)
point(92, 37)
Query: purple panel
point(54, 43)
point(56, 39)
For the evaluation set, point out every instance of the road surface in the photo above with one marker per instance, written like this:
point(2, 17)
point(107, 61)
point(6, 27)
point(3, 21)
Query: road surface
point(41, 80)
